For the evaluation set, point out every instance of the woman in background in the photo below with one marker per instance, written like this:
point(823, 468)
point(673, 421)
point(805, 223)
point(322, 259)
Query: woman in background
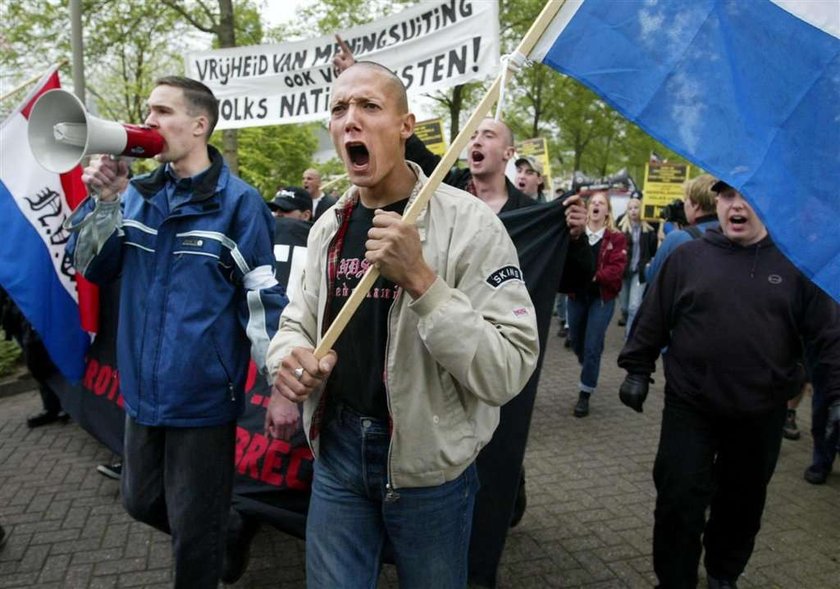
point(591, 307)
point(641, 246)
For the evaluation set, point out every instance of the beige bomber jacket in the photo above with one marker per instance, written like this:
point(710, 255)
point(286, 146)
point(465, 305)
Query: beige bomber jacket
point(457, 353)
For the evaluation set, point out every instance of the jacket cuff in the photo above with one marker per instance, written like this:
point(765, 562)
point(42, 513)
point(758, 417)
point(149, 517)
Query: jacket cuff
point(437, 294)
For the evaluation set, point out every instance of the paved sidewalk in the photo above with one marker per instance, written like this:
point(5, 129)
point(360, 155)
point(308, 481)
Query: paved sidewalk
point(588, 524)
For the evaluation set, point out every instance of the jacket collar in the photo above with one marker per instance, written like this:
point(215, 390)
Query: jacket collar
point(351, 197)
point(205, 187)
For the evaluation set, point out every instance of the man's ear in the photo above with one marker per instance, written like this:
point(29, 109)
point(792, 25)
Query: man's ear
point(407, 127)
point(509, 151)
point(201, 125)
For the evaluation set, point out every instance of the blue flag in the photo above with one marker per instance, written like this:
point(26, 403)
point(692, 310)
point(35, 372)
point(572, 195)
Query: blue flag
point(749, 90)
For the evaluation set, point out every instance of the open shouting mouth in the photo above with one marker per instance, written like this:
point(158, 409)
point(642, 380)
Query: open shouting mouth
point(358, 154)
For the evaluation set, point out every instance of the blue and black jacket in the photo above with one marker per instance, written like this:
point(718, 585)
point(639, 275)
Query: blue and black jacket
point(197, 290)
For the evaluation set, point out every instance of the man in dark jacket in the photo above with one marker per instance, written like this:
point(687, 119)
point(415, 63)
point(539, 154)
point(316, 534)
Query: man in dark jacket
point(193, 245)
point(732, 311)
point(320, 201)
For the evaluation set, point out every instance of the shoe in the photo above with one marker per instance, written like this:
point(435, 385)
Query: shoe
point(789, 430)
point(816, 475)
point(112, 471)
point(715, 583)
point(622, 321)
point(47, 417)
point(520, 504)
point(582, 406)
point(567, 343)
point(241, 531)
point(564, 331)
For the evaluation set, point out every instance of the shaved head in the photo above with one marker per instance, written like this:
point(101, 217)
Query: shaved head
point(395, 85)
point(503, 130)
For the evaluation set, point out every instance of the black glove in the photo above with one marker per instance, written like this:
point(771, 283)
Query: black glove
point(634, 390)
point(832, 424)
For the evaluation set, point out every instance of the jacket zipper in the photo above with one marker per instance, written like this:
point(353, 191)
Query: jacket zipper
point(170, 218)
point(225, 370)
point(391, 494)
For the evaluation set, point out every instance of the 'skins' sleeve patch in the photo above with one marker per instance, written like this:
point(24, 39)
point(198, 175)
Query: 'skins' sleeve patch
point(504, 274)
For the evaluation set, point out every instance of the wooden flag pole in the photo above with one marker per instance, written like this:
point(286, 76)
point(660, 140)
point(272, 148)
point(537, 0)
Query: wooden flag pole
point(447, 161)
point(334, 181)
point(30, 81)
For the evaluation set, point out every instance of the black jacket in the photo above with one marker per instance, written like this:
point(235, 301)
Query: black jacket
point(323, 206)
point(648, 242)
point(580, 263)
point(733, 319)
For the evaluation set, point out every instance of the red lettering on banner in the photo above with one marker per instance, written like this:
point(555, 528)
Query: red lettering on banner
point(273, 462)
point(242, 439)
point(255, 450)
point(90, 374)
point(103, 381)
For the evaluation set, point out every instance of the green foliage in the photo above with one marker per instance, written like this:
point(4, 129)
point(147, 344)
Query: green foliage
point(130, 43)
point(275, 156)
point(9, 355)
point(330, 16)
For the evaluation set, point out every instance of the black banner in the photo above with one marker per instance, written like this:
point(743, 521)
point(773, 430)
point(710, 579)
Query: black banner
point(541, 239)
point(273, 477)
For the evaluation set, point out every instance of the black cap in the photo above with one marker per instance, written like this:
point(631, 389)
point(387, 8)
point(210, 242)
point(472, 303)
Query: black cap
point(291, 198)
point(720, 186)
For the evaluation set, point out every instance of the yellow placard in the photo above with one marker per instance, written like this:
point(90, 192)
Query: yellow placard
point(663, 183)
point(538, 148)
point(431, 134)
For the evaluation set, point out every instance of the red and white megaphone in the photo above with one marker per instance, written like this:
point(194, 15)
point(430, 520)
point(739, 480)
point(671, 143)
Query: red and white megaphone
point(61, 133)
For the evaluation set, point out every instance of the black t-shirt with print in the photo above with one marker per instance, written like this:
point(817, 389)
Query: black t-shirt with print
point(357, 379)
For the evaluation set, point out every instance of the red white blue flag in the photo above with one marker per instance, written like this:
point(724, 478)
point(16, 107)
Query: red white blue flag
point(749, 90)
point(34, 269)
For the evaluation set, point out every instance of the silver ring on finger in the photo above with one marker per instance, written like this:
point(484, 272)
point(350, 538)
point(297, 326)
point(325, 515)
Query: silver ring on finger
point(298, 372)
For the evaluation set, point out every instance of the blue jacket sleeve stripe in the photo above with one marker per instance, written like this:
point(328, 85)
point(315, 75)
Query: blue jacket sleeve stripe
point(138, 225)
point(137, 245)
point(226, 241)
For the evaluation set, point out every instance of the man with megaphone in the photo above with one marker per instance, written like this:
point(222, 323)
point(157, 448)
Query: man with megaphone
point(192, 244)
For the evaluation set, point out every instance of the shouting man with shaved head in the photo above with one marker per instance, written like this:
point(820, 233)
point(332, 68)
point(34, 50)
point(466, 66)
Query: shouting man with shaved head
point(312, 184)
point(397, 412)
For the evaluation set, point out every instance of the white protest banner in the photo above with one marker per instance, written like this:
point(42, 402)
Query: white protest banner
point(430, 46)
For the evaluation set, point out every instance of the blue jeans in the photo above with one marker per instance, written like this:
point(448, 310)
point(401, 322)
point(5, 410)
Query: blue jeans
point(179, 480)
point(350, 518)
point(624, 296)
point(589, 318)
point(560, 308)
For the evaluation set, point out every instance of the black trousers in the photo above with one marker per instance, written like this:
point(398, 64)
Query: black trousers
point(704, 461)
point(180, 480)
point(41, 368)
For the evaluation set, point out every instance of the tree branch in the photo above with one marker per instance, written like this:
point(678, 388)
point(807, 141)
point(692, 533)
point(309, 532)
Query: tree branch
point(184, 13)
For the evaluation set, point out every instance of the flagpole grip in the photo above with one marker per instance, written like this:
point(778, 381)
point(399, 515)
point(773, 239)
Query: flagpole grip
point(444, 165)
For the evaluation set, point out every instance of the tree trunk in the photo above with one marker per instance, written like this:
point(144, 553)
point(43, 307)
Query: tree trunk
point(227, 38)
point(455, 112)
